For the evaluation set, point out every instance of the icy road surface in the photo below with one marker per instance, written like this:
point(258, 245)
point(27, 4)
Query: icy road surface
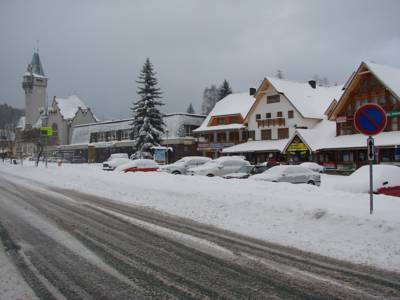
point(70, 245)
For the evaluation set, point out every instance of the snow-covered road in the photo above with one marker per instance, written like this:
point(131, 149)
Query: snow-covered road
point(316, 219)
point(79, 246)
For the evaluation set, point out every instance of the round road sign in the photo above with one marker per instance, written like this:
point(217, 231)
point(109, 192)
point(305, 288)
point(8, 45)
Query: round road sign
point(370, 119)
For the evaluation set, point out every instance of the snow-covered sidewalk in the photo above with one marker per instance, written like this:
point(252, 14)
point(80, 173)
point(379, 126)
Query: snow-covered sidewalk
point(316, 219)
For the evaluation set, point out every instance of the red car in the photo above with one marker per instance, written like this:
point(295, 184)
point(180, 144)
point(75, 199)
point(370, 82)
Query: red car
point(139, 165)
point(390, 191)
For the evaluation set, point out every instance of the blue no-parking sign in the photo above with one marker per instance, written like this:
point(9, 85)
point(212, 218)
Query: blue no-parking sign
point(370, 119)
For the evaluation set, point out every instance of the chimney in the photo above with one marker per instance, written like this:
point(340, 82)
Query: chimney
point(252, 91)
point(312, 83)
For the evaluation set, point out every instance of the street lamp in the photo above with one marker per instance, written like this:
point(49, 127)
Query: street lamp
point(166, 152)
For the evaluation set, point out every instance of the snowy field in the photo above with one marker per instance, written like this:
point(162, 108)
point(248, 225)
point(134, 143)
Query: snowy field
point(317, 219)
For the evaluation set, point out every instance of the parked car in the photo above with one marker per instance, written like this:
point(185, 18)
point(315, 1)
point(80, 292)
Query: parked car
point(220, 166)
point(386, 180)
point(246, 171)
point(115, 160)
point(313, 167)
point(114, 163)
point(181, 166)
point(289, 173)
point(139, 165)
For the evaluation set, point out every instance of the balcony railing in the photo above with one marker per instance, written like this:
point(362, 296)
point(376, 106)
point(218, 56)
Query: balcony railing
point(271, 122)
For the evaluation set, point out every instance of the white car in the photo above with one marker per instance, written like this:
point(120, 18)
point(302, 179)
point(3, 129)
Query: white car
point(115, 160)
point(313, 167)
point(220, 166)
point(181, 166)
point(289, 173)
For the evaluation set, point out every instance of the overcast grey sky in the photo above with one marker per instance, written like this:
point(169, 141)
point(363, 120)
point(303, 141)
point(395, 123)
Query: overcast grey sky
point(96, 48)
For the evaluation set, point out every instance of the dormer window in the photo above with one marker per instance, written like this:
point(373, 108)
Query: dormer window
point(273, 99)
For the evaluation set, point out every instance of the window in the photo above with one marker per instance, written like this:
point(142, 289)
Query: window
point(347, 156)
point(101, 136)
point(382, 100)
point(395, 124)
point(290, 114)
point(268, 115)
point(283, 133)
point(266, 134)
point(252, 135)
point(125, 135)
point(188, 130)
point(55, 128)
point(273, 99)
point(221, 121)
point(279, 114)
point(258, 116)
point(221, 137)
point(234, 136)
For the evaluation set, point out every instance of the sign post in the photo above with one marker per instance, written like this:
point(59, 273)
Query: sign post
point(370, 119)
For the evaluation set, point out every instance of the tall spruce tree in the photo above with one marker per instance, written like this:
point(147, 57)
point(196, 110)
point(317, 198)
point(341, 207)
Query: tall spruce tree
point(190, 109)
point(224, 90)
point(148, 125)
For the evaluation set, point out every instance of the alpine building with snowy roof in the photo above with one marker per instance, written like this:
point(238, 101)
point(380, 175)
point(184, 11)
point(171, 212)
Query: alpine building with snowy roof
point(370, 83)
point(280, 107)
point(335, 142)
point(62, 115)
point(224, 126)
point(97, 141)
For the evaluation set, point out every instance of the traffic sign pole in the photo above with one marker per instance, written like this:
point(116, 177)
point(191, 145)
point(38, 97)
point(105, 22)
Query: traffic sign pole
point(370, 119)
point(371, 157)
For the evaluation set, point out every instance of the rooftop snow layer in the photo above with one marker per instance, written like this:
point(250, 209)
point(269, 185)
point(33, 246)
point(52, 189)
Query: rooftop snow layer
point(323, 136)
point(255, 146)
point(70, 106)
point(232, 104)
point(310, 102)
point(390, 76)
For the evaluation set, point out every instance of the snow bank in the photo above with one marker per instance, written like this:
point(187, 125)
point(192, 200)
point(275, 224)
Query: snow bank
point(320, 220)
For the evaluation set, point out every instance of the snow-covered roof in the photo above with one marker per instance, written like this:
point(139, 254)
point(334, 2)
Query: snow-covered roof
point(257, 146)
point(389, 76)
point(175, 123)
point(310, 102)
point(384, 139)
point(318, 136)
point(21, 123)
point(70, 106)
point(220, 127)
point(81, 133)
point(233, 104)
point(323, 137)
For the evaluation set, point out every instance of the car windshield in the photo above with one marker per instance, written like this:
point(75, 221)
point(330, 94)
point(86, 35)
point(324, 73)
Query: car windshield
point(275, 171)
point(182, 161)
point(245, 169)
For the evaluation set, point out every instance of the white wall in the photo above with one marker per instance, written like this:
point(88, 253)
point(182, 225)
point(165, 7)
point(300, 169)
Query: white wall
point(284, 106)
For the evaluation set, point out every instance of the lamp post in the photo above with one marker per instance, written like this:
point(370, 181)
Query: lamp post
point(166, 152)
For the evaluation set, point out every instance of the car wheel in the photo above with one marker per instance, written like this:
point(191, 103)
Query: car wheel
point(311, 182)
point(210, 175)
point(176, 173)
